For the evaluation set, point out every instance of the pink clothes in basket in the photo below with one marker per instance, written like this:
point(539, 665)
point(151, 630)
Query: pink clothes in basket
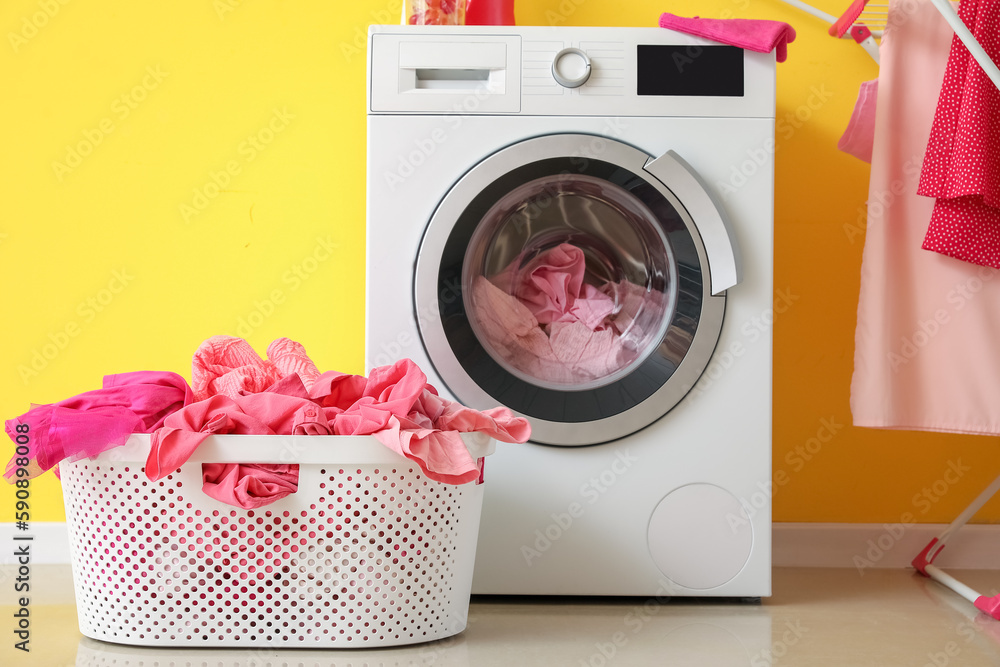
point(962, 164)
point(95, 421)
point(244, 394)
point(394, 403)
point(926, 354)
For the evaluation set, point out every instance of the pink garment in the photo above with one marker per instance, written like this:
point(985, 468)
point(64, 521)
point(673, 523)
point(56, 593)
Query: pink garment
point(228, 366)
point(429, 435)
point(290, 359)
point(753, 34)
point(926, 352)
point(962, 164)
point(398, 407)
point(394, 403)
point(546, 322)
point(508, 328)
point(266, 413)
point(95, 421)
point(859, 136)
point(389, 391)
point(552, 288)
point(249, 485)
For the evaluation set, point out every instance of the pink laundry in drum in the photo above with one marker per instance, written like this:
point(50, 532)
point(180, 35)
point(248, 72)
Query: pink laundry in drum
point(545, 321)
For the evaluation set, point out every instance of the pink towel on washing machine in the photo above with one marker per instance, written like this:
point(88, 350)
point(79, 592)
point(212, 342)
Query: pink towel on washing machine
point(753, 34)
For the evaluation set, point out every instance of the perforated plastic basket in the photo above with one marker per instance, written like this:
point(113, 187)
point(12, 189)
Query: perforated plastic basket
point(368, 551)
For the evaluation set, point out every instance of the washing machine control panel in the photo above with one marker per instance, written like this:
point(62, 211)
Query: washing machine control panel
point(539, 71)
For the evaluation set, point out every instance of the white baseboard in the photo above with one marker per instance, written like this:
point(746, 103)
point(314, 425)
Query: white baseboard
point(851, 545)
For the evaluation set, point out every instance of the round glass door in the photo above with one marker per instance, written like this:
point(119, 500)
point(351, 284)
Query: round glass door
point(570, 288)
point(568, 283)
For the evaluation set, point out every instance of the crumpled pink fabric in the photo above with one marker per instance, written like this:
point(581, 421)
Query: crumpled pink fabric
point(388, 391)
point(546, 322)
point(247, 395)
point(551, 287)
point(229, 366)
point(429, 435)
point(242, 484)
point(95, 421)
point(249, 485)
point(754, 34)
point(394, 403)
point(290, 358)
point(398, 407)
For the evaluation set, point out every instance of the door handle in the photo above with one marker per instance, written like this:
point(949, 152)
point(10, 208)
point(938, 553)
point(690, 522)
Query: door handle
point(724, 259)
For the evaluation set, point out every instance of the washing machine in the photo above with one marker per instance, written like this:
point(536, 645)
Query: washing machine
point(576, 223)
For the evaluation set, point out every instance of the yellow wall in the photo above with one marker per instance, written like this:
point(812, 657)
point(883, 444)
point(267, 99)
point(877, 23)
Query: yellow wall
point(166, 97)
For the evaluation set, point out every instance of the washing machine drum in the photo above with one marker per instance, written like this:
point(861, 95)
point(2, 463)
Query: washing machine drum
point(566, 277)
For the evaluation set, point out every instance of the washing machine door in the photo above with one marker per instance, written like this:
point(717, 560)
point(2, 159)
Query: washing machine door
point(578, 281)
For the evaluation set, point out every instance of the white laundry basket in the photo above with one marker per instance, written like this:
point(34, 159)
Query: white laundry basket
point(368, 552)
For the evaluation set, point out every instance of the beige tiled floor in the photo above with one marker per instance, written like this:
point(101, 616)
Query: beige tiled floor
point(815, 617)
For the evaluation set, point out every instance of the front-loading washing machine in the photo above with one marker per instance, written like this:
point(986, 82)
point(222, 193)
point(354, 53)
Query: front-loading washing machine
point(576, 224)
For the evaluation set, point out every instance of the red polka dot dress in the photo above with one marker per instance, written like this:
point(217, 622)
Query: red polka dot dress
point(962, 163)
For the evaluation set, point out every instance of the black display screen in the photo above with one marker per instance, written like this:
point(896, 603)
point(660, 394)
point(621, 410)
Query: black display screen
point(692, 70)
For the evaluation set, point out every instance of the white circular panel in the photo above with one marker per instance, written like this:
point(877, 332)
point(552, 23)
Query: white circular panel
point(700, 536)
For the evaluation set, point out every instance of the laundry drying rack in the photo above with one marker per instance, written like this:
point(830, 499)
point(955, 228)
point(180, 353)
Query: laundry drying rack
point(863, 22)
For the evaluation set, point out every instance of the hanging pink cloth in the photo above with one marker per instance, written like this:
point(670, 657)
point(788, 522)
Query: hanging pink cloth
point(859, 137)
point(926, 352)
point(962, 164)
point(95, 421)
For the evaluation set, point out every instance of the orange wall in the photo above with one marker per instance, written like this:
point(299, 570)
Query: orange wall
point(164, 97)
